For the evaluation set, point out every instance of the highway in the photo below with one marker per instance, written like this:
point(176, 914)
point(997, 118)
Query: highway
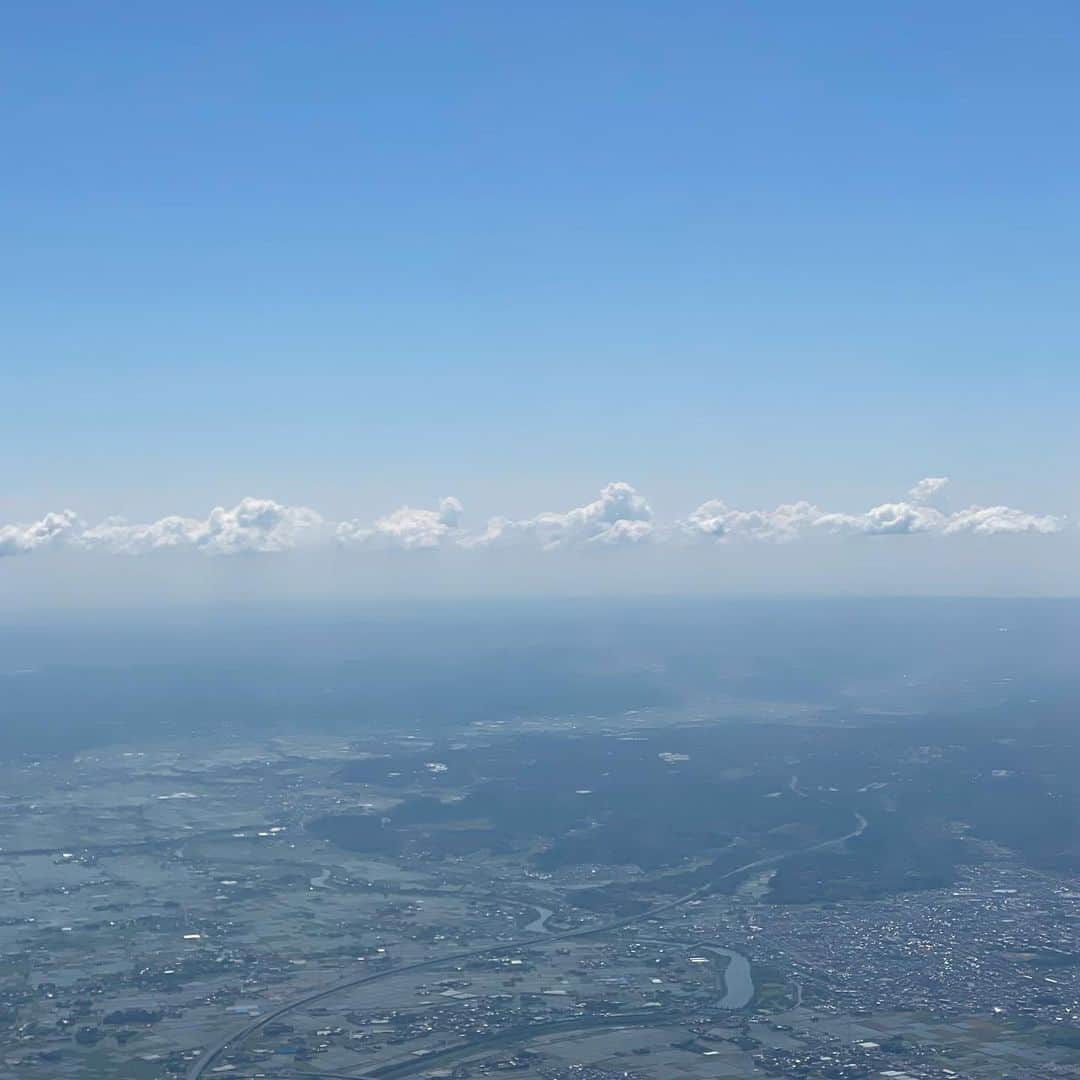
point(213, 1054)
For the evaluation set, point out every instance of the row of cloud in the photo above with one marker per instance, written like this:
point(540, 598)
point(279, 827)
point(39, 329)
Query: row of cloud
point(619, 516)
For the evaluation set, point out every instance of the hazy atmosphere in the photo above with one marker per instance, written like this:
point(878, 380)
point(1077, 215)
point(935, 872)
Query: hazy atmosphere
point(461, 278)
point(539, 540)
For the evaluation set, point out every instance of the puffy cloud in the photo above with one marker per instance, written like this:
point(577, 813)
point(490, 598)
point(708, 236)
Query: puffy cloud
point(928, 487)
point(619, 516)
point(717, 520)
point(791, 520)
point(992, 520)
point(258, 525)
point(888, 519)
point(406, 528)
point(903, 518)
point(52, 528)
point(117, 535)
point(253, 525)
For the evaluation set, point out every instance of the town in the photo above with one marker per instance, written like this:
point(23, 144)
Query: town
point(179, 913)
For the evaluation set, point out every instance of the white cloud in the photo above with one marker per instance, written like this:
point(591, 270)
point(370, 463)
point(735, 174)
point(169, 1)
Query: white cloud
point(19, 539)
point(792, 520)
point(993, 520)
point(928, 487)
point(253, 525)
point(888, 519)
point(717, 520)
point(619, 516)
point(902, 518)
point(407, 528)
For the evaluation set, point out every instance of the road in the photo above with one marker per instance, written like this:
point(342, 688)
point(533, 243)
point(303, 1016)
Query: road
point(210, 1058)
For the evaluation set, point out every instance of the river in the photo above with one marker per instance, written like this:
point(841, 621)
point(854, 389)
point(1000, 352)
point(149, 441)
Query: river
point(738, 981)
point(537, 925)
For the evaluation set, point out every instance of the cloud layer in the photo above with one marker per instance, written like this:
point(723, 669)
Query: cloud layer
point(714, 520)
point(619, 517)
point(406, 528)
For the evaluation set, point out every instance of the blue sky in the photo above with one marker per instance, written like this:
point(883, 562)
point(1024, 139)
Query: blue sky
point(355, 256)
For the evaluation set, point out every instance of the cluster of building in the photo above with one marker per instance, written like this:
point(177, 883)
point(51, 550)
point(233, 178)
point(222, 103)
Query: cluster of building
point(1002, 941)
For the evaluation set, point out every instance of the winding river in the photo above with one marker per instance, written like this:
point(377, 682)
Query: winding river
point(738, 981)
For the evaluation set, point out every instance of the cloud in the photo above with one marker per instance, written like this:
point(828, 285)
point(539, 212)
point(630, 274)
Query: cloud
point(927, 488)
point(407, 528)
point(790, 521)
point(888, 519)
point(620, 516)
point(253, 525)
point(20, 539)
point(994, 520)
point(716, 520)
